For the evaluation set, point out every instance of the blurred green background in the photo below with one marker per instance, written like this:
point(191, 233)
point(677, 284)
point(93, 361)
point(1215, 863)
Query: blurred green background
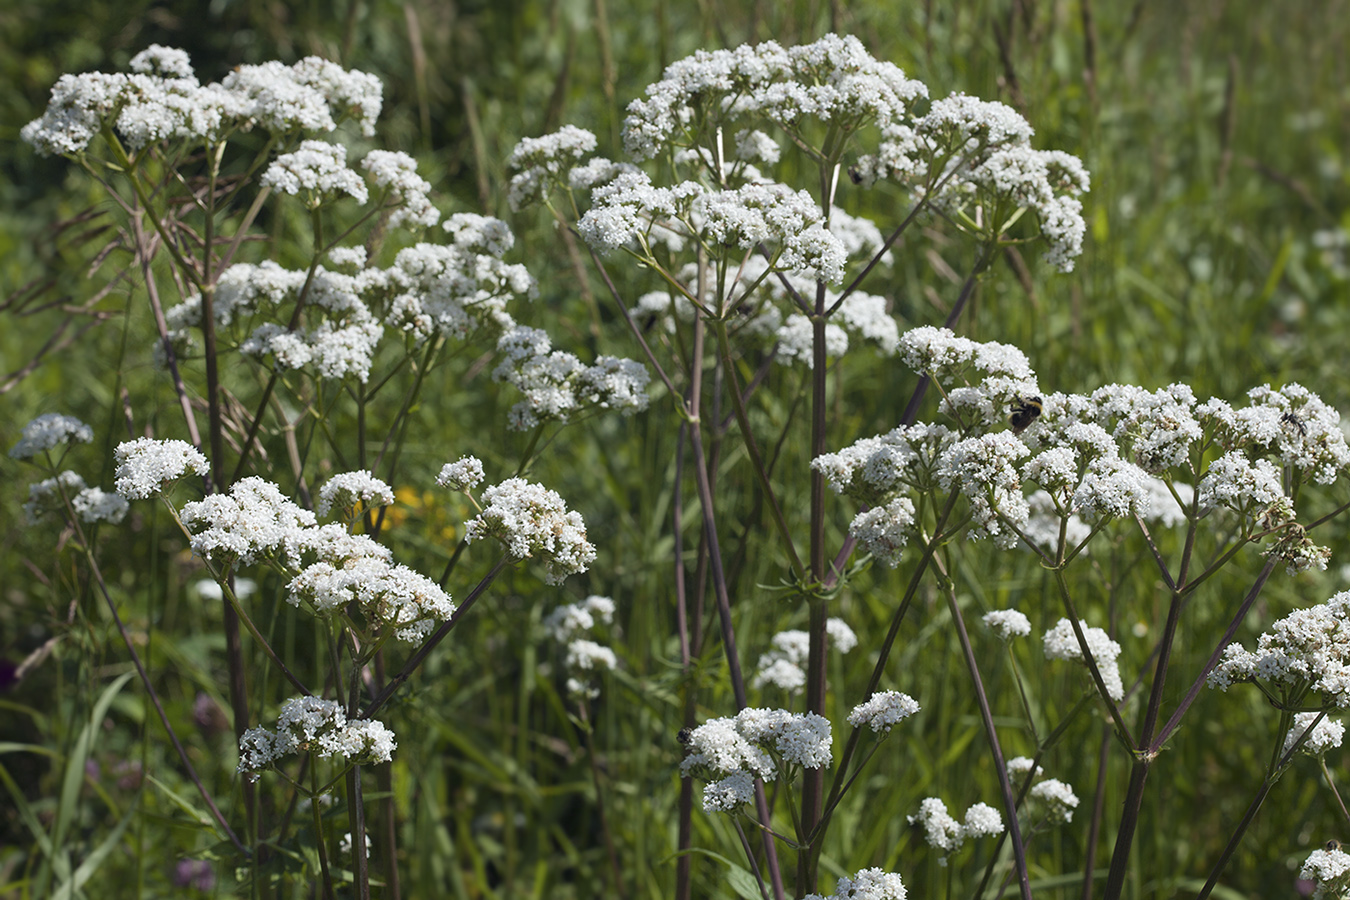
point(1217, 134)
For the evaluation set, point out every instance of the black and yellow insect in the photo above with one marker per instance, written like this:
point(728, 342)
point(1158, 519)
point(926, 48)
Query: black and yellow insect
point(1024, 412)
point(1333, 844)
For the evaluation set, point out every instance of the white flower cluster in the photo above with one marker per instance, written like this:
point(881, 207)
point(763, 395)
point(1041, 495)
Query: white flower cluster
point(89, 504)
point(771, 214)
point(455, 289)
point(389, 596)
point(347, 490)
point(949, 358)
point(883, 710)
point(557, 386)
point(540, 163)
point(312, 724)
point(464, 474)
point(331, 570)
point(782, 666)
point(1058, 798)
point(986, 161)
point(946, 834)
point(47, 432)
point(866, 884)
point(1007, 623)
point(319, 170)
point(531, 520)
point(254, 521)
point(1309, 649)
point(395, 173)
point(161, 100)
point(1019, 767)
point(883, 531)
point(833, 80)
point(872, 468)
point(450, 290)
point(1060, 642)
point(1325, 735)
point(1330, 868)
point(983, 469)
point(630, 210)
point(145, 466)
point(739, 749)
point(584, 657)
point(1109, 455)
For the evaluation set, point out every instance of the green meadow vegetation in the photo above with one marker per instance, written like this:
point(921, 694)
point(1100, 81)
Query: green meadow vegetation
point(1216, 255)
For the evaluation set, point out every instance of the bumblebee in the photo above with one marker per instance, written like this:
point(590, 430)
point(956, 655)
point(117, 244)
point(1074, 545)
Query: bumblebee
point(1333, 844)
point(1025, 410)
point(684, 735)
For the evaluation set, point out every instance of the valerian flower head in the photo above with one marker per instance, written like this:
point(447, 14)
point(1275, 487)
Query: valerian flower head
point(94, 504)
point(866, 884)
point(1156, 428)
point(1309, 649)
point(1007, 623)
point(145, 466)
point(540, 163)
point(457, 289)
point(1323, 733)
point(1019, 767)
point(872, 468)
point(391, 598)
point(1293, 424)
point(464, 474)
point(253, 521)
point(783, 665)
point(1330, 869)
point(557, 385)
point(883, 531)
point(347, 490)
point(47, 432)
point(161, 100)
point(1061, 643)
point(982, 467)
point(44, 497)
point(832, 80)
point(1234, 481)
point(946, 357)
point(396, 174)
point(883, 710)
point(312, 724)
point(1111, 488)
point(946, 834)
point(748, 744)
point(1058, 798)
point(531, 521)
point(319, 170)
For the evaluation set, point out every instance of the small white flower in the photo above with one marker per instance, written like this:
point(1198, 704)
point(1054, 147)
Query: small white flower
point(146, 466)
point(1061, 643)
point(883, 710)
point(531, 520)
point(464, 474)
point(344, 491)
point(1331, 870)
point(1325, 735)
point(317, 168)
point(1059, 799)
point(1007, 623)
point(47, 432)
